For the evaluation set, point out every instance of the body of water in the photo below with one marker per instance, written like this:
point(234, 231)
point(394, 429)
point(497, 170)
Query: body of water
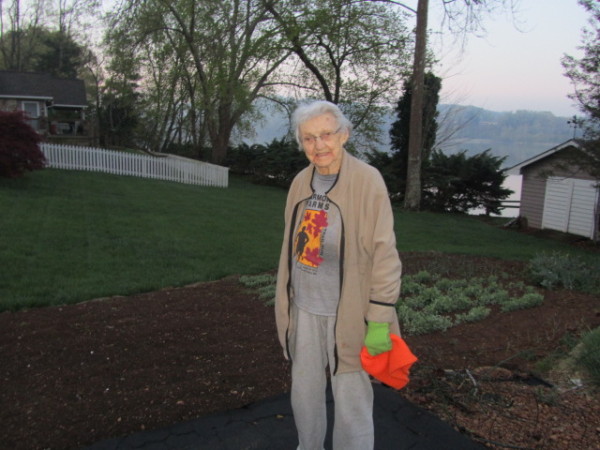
point(512, 182)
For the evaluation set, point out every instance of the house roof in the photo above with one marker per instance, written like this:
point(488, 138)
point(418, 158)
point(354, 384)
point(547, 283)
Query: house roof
point(42, 86)
point(517, 169)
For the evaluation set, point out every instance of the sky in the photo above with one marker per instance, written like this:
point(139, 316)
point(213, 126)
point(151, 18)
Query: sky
point(516, 66)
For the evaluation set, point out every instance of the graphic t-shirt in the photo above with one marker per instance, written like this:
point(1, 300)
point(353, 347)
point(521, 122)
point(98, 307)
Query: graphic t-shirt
point(316, 252)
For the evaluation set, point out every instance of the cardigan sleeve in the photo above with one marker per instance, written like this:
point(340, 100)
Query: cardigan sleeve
point(386, 265)
point(282, 300)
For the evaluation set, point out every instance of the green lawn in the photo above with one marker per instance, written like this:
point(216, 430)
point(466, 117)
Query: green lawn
point(458, 233)
point(68, 236)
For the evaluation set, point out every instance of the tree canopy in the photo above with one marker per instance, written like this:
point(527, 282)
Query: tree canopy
point(45, 35)
point(205, 63)
point(462, 17)
point(585, 75)
point(354, 54)
point(220, 54)
point(182, 73)
point(451, 183)
point(52, 52)
point(400, 130)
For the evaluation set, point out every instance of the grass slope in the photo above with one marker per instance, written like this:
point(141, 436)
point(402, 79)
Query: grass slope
point(459, 233)
point(70, 236)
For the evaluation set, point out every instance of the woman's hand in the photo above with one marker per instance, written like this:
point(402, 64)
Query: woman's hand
point(378, 339)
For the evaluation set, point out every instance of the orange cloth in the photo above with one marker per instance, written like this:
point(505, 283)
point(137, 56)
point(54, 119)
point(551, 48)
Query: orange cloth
point(391, 367)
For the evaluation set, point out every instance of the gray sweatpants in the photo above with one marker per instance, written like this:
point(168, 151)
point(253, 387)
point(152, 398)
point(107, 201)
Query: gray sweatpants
point(312, 349)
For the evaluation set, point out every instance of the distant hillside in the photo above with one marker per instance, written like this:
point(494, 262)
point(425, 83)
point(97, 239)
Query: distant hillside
point(517, 135)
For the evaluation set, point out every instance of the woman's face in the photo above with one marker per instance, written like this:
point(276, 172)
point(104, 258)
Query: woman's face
point(323, 143)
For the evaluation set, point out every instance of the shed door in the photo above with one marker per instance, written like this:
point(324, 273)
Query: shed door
point(569, 206)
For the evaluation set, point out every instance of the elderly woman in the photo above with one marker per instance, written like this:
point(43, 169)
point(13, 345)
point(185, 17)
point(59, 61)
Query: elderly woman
point(338, 281)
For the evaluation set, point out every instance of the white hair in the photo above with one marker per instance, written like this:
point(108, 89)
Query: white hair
point(317, 108)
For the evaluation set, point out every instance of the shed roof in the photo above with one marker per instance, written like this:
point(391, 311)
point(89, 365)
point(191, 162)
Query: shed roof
point(43, 86)
point(518, 169)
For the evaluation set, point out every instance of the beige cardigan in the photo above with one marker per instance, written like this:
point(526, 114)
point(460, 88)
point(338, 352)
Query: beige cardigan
point(370, 264)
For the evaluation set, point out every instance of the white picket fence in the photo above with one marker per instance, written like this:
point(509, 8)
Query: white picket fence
point(163, 167)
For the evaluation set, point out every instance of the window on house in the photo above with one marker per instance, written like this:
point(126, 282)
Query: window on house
point(32, 110)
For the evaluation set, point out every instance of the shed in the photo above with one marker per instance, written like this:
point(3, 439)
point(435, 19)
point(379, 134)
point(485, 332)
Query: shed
point(55, 106)
point(558, 195)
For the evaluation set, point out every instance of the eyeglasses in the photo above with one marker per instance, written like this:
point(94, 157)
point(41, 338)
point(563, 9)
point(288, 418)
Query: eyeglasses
point(325, 137)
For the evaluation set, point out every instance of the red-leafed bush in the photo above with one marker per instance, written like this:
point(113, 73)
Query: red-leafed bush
point(19, 145)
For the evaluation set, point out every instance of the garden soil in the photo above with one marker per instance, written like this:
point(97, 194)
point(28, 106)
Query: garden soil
point(78, 374)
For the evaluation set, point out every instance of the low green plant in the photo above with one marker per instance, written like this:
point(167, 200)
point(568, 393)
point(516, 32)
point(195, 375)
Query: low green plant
point(267, 294)
point(474, 290)
point(493, 296)
point(414, 301)
point(564, 270)
point(257, 280)
point(445, 284)
point(423, 277)
point(518, 285)
point(460, 284)
point(461, 301)
point(475, 314)
point(411, 286)
point(431, 301)
point(264, 285)
point(589, 357)
point(448, 303)
point(417, 322)
point(431, 294)
point(528, 300)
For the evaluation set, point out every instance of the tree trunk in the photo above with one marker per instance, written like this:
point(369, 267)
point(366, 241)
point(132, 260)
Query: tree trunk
point(219, 147)
point(220, 133)
point(412, 196)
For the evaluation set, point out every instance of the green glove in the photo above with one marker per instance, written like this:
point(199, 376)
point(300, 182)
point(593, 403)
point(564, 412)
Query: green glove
point(378, 339)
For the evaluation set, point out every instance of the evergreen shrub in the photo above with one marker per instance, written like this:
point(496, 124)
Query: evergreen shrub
point(276, 163)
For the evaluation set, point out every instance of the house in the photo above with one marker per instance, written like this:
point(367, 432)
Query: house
point(558, 195)
point(55, 106)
